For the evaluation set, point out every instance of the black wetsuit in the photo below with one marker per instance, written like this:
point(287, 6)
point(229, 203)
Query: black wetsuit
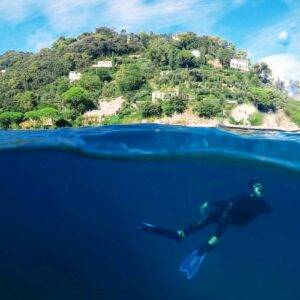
point(238, 211)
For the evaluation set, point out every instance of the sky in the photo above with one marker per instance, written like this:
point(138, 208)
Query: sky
point(268, 29)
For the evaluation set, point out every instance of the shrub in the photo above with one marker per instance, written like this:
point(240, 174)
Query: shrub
point(266, 99)
point(130, 78)
point(175, 105)
point(77, 98)
point(150, 109)
point(46, 112)
point(112, 120)
point(256, 119)
point(208, 107)
point(9, 118)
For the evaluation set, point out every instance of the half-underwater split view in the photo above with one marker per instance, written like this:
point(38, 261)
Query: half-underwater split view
point(149, 149)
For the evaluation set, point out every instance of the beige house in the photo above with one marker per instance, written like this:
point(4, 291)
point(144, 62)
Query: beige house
point(103, 64)
point(240, 64)
point(164, 73)
point(196, 53)
point(106, 108)
point(2, 71)
point(215, 63)
point(160, 95)
point(135, 55)
point(92, 117)
point(74, 76)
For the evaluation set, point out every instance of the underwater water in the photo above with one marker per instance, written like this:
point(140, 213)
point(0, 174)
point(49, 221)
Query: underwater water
point(71, 201)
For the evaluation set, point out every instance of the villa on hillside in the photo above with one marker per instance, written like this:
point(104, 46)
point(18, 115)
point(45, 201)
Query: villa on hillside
point(196, 53)
point(215, 63)
point(240, 64)
point(2, 71)
point(164, 73)
point(74, 76)
point(106, 108)
point(135, 55)
point(103, 64)
point(164, 95)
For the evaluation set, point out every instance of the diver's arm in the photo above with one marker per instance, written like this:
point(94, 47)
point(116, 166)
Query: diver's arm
point(216, 204)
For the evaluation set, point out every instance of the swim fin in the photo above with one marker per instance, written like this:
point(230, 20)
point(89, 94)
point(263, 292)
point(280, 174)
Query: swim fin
point(192, 263)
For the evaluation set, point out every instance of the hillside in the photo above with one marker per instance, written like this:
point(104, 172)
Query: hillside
point(107, 77)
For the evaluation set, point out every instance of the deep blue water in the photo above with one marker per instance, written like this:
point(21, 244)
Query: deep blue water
point(71, 201)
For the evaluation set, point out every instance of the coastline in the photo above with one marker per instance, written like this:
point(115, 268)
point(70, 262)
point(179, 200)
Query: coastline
point(190, 120)
point(236, 127)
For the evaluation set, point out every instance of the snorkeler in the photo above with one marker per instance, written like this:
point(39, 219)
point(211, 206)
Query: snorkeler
point(238, 211)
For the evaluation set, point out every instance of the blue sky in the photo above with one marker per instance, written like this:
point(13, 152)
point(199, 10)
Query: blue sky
point(268, 29)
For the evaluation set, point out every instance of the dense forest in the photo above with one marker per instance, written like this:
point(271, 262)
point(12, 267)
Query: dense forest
point(35, 87)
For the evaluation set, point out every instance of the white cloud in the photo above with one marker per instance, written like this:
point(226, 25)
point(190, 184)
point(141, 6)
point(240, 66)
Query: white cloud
point(278, 37)
point(71, 17)
point(16, 10)
point(284, 66)
point(199, 15)
point(284, 37)
point(40, 39)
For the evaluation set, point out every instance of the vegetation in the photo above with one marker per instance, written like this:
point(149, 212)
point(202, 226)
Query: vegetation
point(256, 119)
point(36, 88)
point(208, 107)
point(292, 109)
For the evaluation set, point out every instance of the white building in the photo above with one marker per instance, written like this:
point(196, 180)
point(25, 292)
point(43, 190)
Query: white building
point(103, 64)
point(196, 53)
point(2, 71)
point(240, 64)
point(74, 76)
point(160, 95)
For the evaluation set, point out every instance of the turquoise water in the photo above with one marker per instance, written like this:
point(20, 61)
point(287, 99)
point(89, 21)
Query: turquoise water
point(71, 200)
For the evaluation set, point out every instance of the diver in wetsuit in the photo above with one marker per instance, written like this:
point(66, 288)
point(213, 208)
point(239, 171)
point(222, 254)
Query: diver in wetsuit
point(238, 211)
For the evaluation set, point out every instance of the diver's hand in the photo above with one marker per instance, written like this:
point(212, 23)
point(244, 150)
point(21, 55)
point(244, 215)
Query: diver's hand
point(204, 207)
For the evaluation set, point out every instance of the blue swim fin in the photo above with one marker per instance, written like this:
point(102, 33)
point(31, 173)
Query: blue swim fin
point(192, 263)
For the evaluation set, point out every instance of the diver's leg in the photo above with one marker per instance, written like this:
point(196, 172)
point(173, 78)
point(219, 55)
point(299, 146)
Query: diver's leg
point(197, 226)
point(178, 235)
point(174, 235)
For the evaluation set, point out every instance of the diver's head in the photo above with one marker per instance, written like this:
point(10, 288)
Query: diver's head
point(256, 188)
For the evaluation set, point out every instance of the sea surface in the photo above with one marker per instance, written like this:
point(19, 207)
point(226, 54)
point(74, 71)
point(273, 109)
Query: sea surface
point(71, 201)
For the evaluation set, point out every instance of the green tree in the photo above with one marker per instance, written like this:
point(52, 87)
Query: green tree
point(186, 59)
point(130, 78)
point(46, 112)
point(150, 109)
point(225, 55)
point(174, 105)
point(9, 118)
point(263, 72)
point(266, 99)
point(188, 40)
point(77, 99)
point(90, 82)
point(25, 101)
point(209, 107)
